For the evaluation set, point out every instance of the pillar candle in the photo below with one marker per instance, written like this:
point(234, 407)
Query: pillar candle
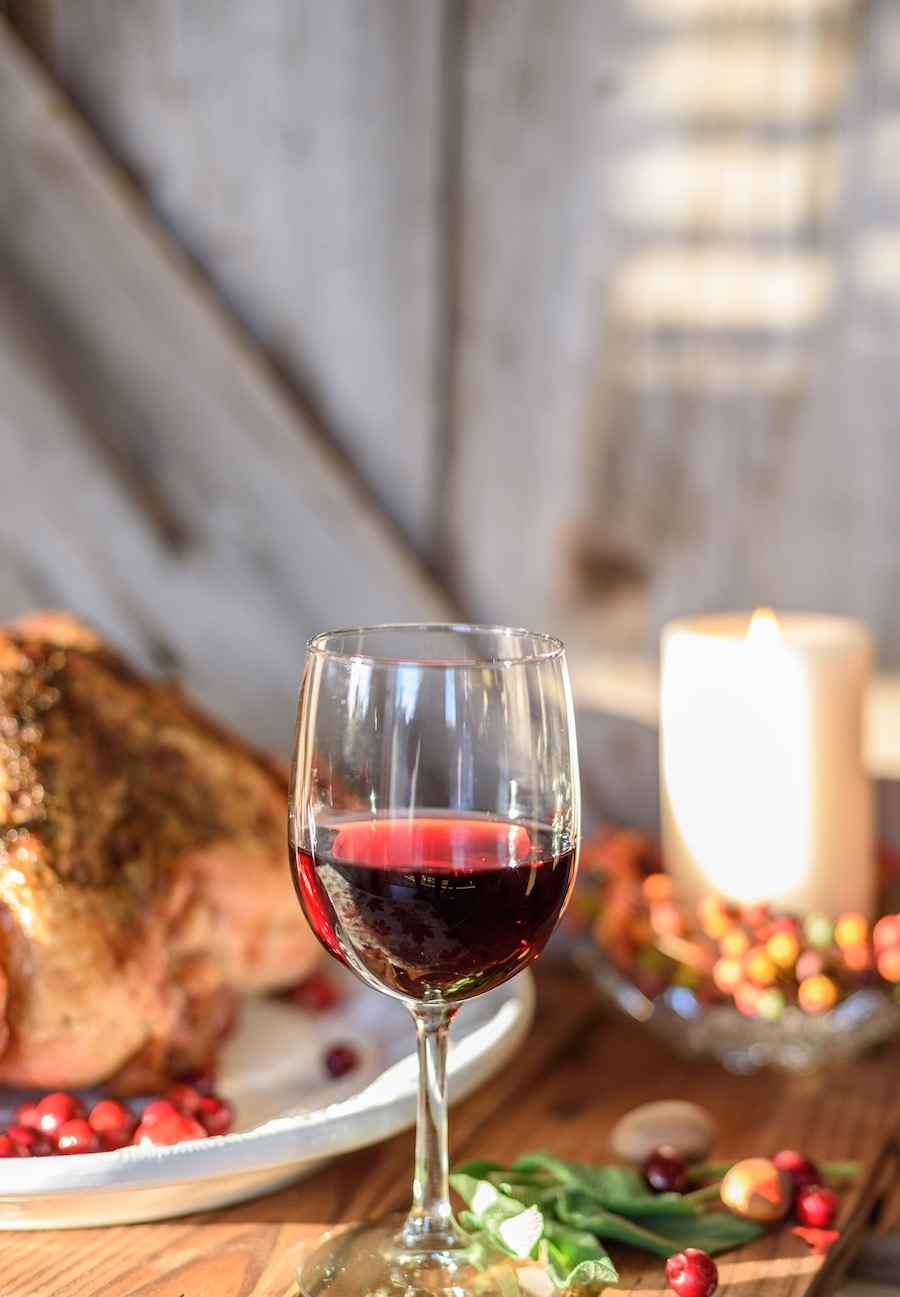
point(764, 797)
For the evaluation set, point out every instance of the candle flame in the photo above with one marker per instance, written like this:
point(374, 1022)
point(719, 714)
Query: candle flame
point(764, 630)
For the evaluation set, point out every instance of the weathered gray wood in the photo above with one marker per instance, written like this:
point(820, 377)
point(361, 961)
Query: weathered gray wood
point(157, 477)
point(679, 329)
point(294, 148)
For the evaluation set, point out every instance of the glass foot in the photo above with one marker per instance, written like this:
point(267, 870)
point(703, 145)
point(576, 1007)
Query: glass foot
point(371, 1260)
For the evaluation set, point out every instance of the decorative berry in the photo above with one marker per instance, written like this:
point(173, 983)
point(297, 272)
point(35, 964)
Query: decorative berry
point(757, 1189)
point(816, 1205)
point(783, 948)
point(692, 1273)
point(664, 1170)
point(851, 929)
point(341, 1059)
point(76, 1136)
point(886, 932)
point(888, 963)
point(818, 930)
point(799, 1169)
point(817, 994)
point(771, 1004)
point(758, 967)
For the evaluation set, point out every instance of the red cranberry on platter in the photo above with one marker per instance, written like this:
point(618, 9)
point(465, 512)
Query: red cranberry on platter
point(76, 1136)
point(341, 1059)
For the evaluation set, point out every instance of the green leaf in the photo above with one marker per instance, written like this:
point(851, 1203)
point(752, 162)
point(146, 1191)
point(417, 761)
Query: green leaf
point(516, 1227)
point(480, 1168)
point(713, 1232)
point(620, 1188)
point(610, 1225)
point(577, 1257)
point(557, 1211)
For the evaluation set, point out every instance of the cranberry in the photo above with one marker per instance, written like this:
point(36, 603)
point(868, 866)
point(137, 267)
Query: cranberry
point(161, 1109)
point(799, 1169)
point(55, 1109)
point(664, 1170)
point(27, 1114)
point(113, 1122)
point(172, 1129)
point(816, 1205)
point(9, 1147)
point(317, 993)
point(215, 1114)
point(203, 1080)
point(184, 1096)
point(692, 1273)
point(76, 1136)
point(341, 1059)
point(35, 1142)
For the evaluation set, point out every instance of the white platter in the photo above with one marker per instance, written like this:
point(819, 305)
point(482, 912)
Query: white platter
point(290, 1117)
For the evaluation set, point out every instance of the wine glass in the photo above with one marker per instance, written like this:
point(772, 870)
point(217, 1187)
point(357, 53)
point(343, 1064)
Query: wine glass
point(434, 829)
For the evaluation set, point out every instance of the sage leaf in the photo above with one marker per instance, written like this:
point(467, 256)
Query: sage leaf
point(516, 1227)
point(577, 1257)
point(620, 1188)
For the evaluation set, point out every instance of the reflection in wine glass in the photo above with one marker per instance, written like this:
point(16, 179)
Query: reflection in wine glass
point(434, 828)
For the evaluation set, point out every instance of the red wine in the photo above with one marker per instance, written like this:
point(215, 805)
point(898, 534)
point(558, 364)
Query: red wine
point(434, 908)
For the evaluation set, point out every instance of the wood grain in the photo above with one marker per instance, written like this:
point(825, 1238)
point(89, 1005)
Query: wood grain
point(579, 1069)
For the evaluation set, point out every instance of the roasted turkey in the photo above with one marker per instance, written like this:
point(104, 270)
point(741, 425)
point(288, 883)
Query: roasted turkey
point(143, 859)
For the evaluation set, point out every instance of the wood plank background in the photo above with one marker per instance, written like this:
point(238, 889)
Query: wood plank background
point(565, 314)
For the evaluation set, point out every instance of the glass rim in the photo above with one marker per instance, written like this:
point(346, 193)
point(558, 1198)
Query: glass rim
point(555, 649)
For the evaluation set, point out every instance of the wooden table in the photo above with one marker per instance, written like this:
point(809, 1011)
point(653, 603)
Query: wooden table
point(580, 1068)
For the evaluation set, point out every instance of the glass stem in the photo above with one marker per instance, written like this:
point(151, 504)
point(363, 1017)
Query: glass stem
point(430, 1227)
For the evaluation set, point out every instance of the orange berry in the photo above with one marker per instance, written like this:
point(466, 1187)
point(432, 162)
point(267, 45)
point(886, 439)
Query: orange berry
point(746, 999)
point(851, 929)
point(783, 948)
point(857, 958)
point(734, 943)
point(888, 964)
point(817, 994)
point(665, 919)
point(755, 915)
point(715, 916)
point(809, 964)
point(758, 967)
point(886, 932)
point(727, 975)
point(658, 887)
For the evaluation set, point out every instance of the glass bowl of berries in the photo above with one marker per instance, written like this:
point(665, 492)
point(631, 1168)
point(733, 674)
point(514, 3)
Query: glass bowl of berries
point(742, 984)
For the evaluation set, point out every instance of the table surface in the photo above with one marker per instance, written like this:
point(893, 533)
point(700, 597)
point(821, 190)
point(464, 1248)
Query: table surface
point(581, 1066)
